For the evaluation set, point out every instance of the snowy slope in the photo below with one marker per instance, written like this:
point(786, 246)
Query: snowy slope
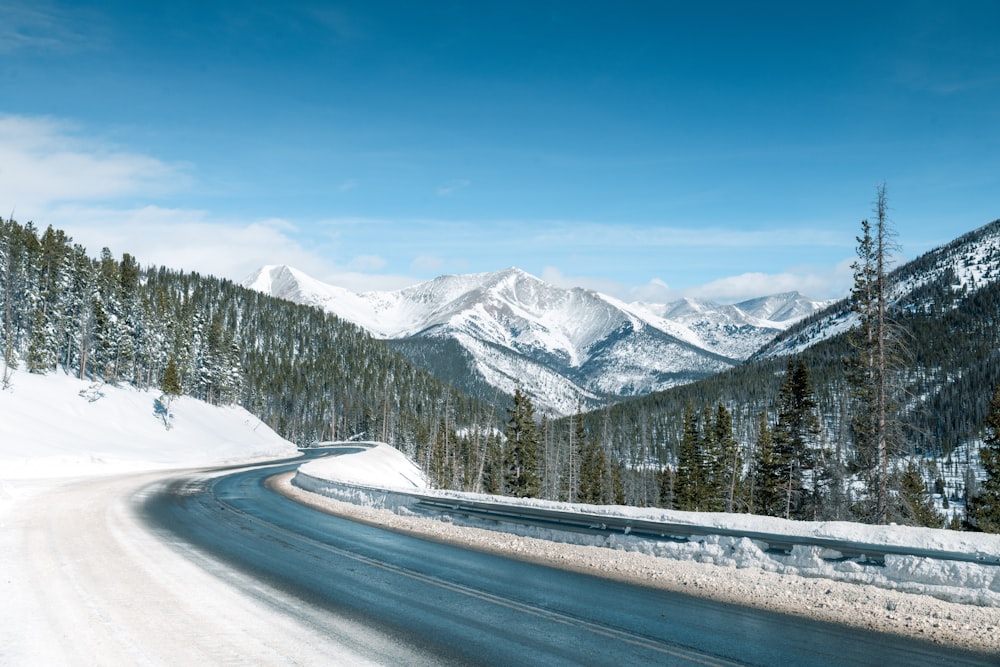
point(562, 346)
point(57, 426)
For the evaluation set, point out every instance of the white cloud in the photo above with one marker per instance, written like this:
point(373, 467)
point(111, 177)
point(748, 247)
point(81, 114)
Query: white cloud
point(186, 239)
point(44, 162)
point(39, 26)
point(731, 289)
point(816, 285)
point(624, 235)
point(191, 240)
point(655, 291)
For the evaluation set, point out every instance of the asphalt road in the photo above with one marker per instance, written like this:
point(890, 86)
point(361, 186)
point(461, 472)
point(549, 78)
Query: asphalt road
point(426, 602)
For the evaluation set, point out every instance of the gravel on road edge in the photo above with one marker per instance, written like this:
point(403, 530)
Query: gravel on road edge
point(856, 605)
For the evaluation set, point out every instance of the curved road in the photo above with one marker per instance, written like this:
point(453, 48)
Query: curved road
point(426, 602)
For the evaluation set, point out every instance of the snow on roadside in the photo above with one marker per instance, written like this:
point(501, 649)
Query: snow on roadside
point(960, 582)
point(851, 604)
point(376, 464)
point(54, 426)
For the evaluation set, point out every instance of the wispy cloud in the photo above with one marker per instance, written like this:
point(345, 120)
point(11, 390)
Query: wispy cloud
point(39, 26)
point(44, 161)
point(555, 276)
point(731, 289)
point(816, 282)
point(193, 240)
point(186, 239)
point(453, 187)
point(613, 235)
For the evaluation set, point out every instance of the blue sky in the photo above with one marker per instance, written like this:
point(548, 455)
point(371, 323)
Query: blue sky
point(646, 149)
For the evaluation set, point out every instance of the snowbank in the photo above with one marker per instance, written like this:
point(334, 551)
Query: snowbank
point(372, 474)
point(367, 463)
point(962, 582)
point(57, 426)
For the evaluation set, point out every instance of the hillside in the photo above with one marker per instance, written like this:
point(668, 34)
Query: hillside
point(943, 279)
point(56, 425)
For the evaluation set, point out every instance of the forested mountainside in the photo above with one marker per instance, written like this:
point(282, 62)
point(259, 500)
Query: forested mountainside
point(307, 374)
point(946, 318)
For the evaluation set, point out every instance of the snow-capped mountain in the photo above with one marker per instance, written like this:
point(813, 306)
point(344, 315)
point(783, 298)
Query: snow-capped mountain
point(562, 346)
point(959, 269)
point(736, 330)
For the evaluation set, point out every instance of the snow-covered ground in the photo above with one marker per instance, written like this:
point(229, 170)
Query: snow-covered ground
point(84, 581)
point(57, 426)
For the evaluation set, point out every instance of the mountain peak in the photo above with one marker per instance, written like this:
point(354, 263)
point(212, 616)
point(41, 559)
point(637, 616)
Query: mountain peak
point(563, 345)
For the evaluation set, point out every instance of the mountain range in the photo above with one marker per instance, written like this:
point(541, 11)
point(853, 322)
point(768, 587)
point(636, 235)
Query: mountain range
point(565, 347)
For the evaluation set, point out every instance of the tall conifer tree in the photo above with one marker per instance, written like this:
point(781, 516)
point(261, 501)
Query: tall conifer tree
point(766, 490)
point(795, 435)
point(985, 510)
point(691, 479)
point(521, 475)
point(870, 370)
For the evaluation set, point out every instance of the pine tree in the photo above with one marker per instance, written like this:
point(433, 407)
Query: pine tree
point(438, 470)
point(795, 435)
point(593, 469)
point(107, 318)
point(766, 496)
point(727, 464)
point(984, 512)
point(80, 330)
point(6, 296)
point(691, 479)
point(916, 506)
point(665, 488)
point(570, 482)
point(493, 469)
point(171, 383)
point(41, 349)
point(521, 478)
point(870, 370)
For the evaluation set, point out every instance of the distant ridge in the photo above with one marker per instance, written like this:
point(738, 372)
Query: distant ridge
point(563, 346)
